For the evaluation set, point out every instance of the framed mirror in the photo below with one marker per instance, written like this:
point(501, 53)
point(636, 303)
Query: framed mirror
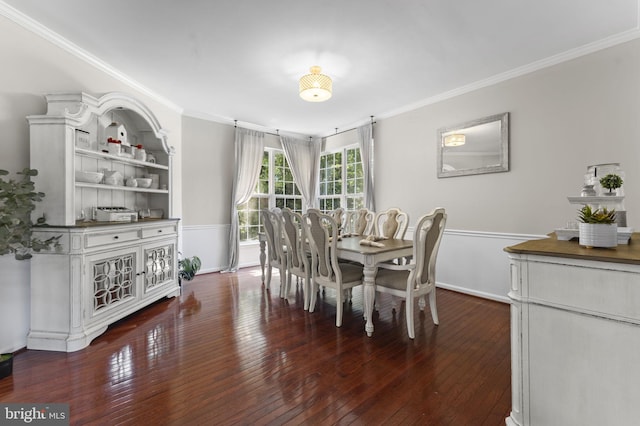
point(475, 147)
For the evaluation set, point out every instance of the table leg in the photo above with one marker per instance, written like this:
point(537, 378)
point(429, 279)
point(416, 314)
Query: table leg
point(263, 256)
point(369, 295)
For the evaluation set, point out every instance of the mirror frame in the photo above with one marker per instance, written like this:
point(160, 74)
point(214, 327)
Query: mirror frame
point(503, 144)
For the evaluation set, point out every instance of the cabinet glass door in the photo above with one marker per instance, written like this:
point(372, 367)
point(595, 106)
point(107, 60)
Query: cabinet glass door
point(159, 265)
point(113, 279)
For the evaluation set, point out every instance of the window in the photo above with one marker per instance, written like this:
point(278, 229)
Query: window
point(341, 180)
point(330, 181)
point(354, 195)
point(275, 188)
point(285, 190)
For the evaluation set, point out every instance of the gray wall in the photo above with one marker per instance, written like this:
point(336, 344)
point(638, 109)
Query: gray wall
point(563, 118)
point(207, 172)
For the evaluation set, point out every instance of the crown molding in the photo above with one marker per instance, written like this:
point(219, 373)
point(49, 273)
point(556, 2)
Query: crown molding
point(244, 124)
point(211, 117)
point(520, 71)
point(61, 42)
point(514, 73)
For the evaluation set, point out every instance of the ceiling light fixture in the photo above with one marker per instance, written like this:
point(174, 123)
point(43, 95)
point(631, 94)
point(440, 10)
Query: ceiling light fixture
point(315, 87)
point(455, 139)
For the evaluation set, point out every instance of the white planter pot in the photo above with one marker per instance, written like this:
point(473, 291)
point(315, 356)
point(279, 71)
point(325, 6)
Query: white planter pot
point(598, 234)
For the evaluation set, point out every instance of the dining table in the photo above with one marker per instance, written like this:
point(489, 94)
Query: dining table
point(370, 256)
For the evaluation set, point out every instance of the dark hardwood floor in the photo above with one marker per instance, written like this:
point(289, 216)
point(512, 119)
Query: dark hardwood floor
point(229, 352)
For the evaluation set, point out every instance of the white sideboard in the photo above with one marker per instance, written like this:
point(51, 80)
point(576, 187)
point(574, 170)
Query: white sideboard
point(575, 334)
point(102, 271)
point(99, 275)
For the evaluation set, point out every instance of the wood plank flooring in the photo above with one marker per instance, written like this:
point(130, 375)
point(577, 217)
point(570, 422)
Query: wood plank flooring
point(229, 352)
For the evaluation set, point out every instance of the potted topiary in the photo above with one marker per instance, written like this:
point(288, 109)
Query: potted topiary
point(597, 227)
point(611, 182)
point(188, 267)
point(17, 200)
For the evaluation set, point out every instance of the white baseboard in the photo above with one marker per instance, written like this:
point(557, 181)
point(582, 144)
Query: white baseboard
point(471, 292)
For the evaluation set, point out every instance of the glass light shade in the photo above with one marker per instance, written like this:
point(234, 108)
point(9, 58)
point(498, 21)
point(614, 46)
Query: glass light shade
point(315, 87)
point(454, 140)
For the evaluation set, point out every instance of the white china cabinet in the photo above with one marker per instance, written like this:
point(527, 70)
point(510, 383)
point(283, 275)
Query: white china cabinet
point(118, 245)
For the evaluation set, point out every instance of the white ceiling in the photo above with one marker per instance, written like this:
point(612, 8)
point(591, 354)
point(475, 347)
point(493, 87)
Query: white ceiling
point(241, 59)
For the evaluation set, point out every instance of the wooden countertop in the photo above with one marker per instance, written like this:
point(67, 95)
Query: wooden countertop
point(623, 253)
point(95, 224)
point(92, 223)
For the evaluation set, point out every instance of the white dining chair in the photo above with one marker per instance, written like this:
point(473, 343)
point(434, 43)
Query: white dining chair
point(276, 256)
point(359, 222)
point(417, 279)
point(321, 231)
point(391, 223)
point(338, 215)
point(298, 261)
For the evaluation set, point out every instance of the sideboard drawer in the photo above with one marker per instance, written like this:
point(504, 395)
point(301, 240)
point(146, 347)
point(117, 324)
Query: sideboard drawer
point(121, 236)
point(159, 231)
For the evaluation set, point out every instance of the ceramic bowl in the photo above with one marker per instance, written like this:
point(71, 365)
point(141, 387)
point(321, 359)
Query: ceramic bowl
point(89, 177)
point(143, 182)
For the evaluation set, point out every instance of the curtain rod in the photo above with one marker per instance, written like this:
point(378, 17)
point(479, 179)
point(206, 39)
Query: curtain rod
point(277, 133)
point(344, 131)
point(348, 130)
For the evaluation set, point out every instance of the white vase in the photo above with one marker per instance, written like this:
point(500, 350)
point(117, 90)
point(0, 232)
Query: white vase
point(598, 234)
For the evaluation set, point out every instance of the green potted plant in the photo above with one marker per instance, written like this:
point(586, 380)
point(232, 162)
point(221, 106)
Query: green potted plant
point(597, 227)
point(188, 267)
point(611, 182)
point(6, 365)
point(18, 199)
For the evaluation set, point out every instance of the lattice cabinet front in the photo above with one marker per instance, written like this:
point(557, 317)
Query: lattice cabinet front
point(113, 280)
point(159, 266)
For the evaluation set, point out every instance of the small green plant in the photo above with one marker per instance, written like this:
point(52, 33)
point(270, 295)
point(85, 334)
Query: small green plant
point(589, 215)
point(18, 199)
point(611, 182)
point(188, 268)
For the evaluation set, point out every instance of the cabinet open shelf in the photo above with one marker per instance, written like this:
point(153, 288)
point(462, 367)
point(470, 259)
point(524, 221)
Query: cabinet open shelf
point(604, 199)
point(121, 188)
point(131, 161)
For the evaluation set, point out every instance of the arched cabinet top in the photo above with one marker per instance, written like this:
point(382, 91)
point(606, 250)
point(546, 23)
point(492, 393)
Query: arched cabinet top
point(78, 109)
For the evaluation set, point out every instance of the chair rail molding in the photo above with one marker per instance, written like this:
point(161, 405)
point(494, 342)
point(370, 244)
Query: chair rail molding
point(485, 273)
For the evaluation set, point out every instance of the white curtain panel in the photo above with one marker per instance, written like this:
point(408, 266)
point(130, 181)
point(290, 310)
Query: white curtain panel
point(365, 140)
point(304, 160)
point(249, 148)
